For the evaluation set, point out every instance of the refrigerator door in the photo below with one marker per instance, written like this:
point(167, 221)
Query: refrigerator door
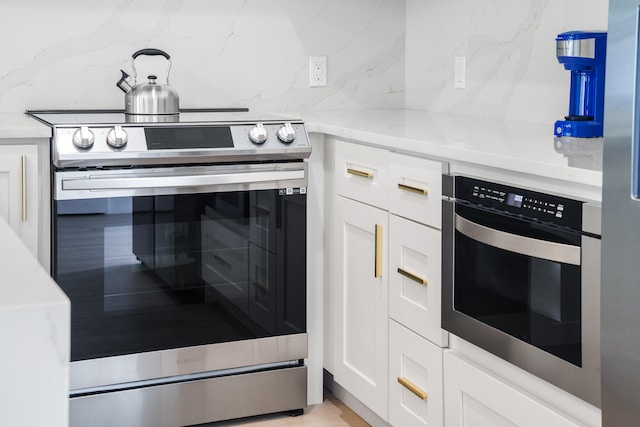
point(621, 222)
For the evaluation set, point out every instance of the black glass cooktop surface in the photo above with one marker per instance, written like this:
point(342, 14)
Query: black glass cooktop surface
point(186, 116)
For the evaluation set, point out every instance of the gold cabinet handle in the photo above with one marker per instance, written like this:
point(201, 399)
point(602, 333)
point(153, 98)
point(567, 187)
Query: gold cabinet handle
point(23, 188)
point(378, 256)
point(412, 276)
point(413, 388)
point(359, 173)
point(413, 189)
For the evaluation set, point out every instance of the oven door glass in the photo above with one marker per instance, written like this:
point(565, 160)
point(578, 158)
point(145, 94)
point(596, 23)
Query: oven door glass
point(533, 299)
point(159, 272)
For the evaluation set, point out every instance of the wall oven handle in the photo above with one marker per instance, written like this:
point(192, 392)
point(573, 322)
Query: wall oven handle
point(552, 251)
point(172, 181)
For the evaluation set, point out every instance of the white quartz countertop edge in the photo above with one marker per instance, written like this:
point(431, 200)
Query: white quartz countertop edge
point(484, 142)
point(24, 283)
point(20, 126)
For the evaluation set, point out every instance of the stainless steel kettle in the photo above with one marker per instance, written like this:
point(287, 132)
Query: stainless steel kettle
point(150, 98)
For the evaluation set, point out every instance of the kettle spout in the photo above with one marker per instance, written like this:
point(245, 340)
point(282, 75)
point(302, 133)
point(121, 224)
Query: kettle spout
point(123, 83)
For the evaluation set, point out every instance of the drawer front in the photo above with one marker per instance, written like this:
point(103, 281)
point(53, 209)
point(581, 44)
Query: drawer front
point(415, 379)
point(414, 278)
point(415, 189)
point(361, 173)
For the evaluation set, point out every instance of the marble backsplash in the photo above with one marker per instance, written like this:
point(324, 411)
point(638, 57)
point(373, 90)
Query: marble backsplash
point(254, 53)
point(511, 66)
point(66, 54)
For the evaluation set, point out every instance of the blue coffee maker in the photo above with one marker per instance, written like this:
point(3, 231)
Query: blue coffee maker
point(583, 53)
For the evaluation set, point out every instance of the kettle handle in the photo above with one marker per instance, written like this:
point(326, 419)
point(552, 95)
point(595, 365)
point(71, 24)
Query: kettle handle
point(151, 52)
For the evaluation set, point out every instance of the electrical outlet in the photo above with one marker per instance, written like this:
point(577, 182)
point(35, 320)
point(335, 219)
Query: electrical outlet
point(317, 71)
point(459, 71)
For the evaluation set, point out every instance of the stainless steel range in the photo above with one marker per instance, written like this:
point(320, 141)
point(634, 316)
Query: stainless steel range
point(182, 246)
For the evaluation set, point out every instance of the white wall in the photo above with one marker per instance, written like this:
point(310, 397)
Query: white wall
point(254, 53)
point(512, 71)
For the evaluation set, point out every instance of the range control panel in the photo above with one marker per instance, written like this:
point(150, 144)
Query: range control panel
point(520, 202)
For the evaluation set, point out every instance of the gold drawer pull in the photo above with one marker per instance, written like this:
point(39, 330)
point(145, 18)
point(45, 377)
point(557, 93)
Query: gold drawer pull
point(378, 256)
point(412, 276)
point(359, 173)
point(413, 388)
point(418, 190)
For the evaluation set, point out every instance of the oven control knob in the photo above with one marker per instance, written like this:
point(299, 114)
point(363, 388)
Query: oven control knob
point(258, 135)
point(83, 137)
point(117, 137)
point(286, 133)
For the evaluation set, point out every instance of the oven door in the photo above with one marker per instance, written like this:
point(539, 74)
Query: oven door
point(525, 292)
point(158, 260)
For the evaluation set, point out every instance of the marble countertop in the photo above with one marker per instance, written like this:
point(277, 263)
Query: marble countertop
point(19, 125)
point(24, 282)
point(524, 147)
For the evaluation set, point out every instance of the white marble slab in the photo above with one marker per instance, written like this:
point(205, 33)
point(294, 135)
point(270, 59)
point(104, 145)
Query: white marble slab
point(68, 54)
point(511, 67)
point(34, 332)
point(19, 125)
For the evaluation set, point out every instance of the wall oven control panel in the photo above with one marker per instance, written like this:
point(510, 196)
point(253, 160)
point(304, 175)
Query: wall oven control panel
point(519, 202)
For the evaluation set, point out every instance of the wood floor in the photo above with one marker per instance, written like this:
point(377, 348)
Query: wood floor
point(330, 413)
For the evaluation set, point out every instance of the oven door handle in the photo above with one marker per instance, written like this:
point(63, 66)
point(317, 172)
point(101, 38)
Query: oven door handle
point(552, 251)
point(98, 183)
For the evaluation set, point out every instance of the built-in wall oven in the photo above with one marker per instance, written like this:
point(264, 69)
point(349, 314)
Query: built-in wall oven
point(182, 247)
point(521, 279)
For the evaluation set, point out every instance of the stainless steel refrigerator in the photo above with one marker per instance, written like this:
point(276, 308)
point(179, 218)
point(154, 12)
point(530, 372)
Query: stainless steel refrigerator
point(621, 221)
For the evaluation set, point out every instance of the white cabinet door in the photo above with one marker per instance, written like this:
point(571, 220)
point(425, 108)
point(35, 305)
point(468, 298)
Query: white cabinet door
point(414, 278)
point(474, 398)
point(415, 189)
point(19, 191)
point(415, 380)
point(361, 173)
point(360, 362)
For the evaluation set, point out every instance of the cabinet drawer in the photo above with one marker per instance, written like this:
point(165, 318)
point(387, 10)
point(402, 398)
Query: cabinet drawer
point(415, 379)
point(475, 397)
point(361, 173)
point(415, 278)
point(415, 189)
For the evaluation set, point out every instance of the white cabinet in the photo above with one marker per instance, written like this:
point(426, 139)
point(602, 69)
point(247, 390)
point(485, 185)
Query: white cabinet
point(19, 192)
point(414, 278)
point(361, 173)
point(415, 190)
point(415, 375)
point(386, 265)
point(475, 398)
point(360, 362)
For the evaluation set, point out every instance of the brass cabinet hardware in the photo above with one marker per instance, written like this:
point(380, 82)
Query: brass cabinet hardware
point(413, 189)
point(413, 388)
point(412, 276)
point(378, 256)
point(23, 188)
point(359, 173)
